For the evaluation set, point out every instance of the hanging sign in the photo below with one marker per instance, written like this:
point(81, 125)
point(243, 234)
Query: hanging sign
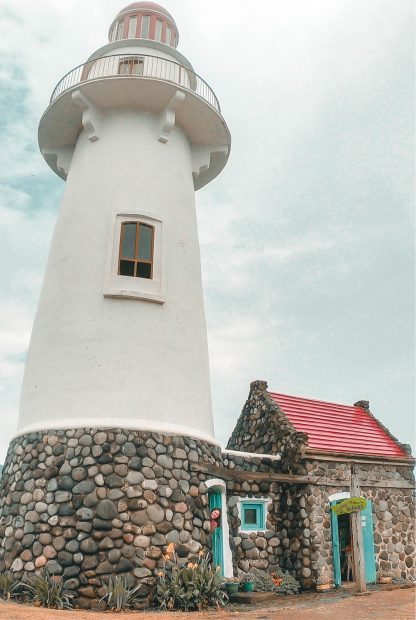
point(347, 506)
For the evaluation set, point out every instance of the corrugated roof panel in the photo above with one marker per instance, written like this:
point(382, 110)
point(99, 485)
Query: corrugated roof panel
point(338, 428)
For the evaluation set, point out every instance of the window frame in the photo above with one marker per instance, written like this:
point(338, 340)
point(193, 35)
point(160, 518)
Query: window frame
point(261, 507)
point(119, 30)
point(145, 26)
point(168, 35)
point(136, 259)
point(129, 287)
point(132, 27)
point(135, 66)
point(158, 30)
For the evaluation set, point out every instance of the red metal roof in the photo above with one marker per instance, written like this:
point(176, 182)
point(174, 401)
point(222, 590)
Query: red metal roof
point(338, 428)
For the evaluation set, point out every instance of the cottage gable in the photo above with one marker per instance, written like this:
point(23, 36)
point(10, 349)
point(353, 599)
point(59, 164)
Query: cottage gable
point(264, 428)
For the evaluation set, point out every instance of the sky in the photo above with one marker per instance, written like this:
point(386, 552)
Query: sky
point(307, 236)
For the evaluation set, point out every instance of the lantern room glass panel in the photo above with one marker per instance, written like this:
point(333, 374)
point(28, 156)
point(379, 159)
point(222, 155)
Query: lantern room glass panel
point(132, 28)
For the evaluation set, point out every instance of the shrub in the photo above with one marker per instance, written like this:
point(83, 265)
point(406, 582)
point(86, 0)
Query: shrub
point(119, 596)
point(49, 591)
point(285, 583)
point(9, 585)
point(194, 585)
point(263, 582)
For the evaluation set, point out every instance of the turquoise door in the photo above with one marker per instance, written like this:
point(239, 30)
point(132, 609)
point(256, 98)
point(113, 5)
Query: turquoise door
point(368, 540)
point(336, 552)
point(217, 536)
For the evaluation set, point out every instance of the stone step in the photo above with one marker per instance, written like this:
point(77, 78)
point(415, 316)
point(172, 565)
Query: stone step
point(252, 598)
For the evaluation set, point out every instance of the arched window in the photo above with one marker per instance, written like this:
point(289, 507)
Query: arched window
point(136, 250)
point(145, 26)
point(158, 30)
point(132, 27)
point(120, 30)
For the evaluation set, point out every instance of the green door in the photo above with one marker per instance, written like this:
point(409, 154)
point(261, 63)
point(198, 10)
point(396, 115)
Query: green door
point(217, 535)
point(336, 552)
point(368, 540)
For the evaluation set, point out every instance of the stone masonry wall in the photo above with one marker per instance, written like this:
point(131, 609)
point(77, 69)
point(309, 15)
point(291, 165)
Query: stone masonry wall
point(97, 502)
point(298, 537)
point(393, 515)
point(101, 502)
point(285, 543)
point(263, 427)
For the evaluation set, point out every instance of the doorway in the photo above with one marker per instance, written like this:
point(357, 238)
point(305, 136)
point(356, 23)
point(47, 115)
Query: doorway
point(220, 531)
point(217, 536)
point(342, 545)
point(345, 548)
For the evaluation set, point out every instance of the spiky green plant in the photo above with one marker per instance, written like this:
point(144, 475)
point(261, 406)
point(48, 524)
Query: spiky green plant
point(194, 585)
point(9, 585)
point(49, 591)
point(119, 596)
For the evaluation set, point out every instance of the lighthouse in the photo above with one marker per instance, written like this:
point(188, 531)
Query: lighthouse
point(119, 337)
point(116, 403)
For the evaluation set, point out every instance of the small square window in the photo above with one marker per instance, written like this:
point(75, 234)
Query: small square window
point(253, 516)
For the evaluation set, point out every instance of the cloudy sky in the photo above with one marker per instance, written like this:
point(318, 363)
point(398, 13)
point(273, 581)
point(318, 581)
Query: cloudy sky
point(307, 235)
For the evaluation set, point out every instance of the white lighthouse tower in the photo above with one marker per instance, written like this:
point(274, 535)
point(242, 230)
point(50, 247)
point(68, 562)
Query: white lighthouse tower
point(115, 441)
point(119, 338)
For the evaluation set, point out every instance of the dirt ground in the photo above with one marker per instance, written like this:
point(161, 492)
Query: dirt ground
point(379, 604)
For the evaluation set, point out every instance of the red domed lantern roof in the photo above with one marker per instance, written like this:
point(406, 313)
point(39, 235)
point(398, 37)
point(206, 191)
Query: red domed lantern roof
point(145, 20)
point(146, 6)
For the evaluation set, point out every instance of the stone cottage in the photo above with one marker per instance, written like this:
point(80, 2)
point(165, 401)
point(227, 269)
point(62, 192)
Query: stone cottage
point(312, 448)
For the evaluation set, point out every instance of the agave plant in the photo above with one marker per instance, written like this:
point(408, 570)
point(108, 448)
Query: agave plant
point(119, 596)
point(49, 591)
point(9, 585)
point(194, 585)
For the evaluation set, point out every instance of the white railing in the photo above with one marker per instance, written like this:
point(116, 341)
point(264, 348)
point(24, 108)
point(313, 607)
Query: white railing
point(140, 66)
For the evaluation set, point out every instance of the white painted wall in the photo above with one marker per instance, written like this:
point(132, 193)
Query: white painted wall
point(98, 361)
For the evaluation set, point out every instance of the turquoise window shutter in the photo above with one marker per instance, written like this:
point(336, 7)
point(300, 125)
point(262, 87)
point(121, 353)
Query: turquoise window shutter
point(368, 540)
point(335, 547)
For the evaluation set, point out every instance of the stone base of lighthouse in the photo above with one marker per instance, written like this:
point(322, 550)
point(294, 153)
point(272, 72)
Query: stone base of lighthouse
point(99, 502)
